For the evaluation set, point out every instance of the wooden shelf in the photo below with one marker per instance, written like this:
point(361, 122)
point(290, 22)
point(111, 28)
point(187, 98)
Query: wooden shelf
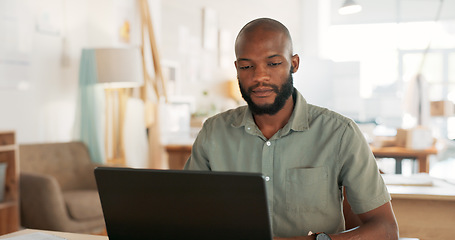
point(9, 207)
point(8, 148)
point(6, 204)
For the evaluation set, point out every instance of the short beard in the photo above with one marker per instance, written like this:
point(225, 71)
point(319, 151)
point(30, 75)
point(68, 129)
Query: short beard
point(283, 94)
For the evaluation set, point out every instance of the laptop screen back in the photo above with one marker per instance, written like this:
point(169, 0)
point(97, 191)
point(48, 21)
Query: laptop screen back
point(171, 204)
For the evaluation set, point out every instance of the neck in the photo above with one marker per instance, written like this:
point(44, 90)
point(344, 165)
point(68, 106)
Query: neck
point(270, 124)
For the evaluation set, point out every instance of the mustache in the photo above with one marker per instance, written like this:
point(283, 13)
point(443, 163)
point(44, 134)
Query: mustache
point(274, 87)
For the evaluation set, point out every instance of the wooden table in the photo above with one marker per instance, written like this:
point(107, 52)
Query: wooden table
point(178, 154)
point(425, 212)
point(68, 236)
point(400, 153)
point(77, 236)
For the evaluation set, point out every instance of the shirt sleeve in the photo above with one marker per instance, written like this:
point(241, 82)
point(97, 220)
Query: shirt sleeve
point(198, 159)
point(365, 188)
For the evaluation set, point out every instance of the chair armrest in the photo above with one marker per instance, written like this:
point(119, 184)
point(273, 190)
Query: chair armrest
point(42, 203)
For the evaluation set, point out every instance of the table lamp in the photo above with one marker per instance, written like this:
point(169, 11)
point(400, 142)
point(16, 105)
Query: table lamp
point(119, 67)
point(117, 70)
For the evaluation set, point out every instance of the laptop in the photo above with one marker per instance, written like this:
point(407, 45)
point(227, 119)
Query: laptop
point(178, 204)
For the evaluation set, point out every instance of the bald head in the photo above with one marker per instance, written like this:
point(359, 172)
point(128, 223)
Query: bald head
point(262, 25)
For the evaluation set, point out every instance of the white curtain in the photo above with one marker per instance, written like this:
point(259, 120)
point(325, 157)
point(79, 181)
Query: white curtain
point(134, 135)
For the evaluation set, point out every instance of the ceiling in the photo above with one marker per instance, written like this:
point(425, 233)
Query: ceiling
point(386, 11)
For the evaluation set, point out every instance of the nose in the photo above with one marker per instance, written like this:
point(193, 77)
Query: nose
point(261, 74)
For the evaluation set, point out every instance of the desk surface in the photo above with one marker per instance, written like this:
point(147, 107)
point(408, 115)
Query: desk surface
point(68, 236)
point(422, 156)
point(439, 190)
point(75, 236)
point(403, 152)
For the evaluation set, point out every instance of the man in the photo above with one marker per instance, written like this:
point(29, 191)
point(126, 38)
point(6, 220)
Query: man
point(307, 153)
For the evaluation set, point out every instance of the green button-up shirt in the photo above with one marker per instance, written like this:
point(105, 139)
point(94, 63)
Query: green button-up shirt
point(305, 165)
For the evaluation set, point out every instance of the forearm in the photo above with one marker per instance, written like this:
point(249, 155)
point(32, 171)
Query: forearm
point(379, 223)
point(367, 231)
point(371, 230)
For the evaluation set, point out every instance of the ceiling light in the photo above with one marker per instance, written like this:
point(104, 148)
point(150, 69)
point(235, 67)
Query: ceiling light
point(349, 7)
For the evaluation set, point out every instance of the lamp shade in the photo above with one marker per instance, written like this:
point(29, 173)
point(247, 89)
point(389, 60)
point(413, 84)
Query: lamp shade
point(349, 7)
point(119, 67)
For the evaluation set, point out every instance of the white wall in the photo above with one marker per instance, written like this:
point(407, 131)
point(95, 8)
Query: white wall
point(182, 39)
point(37, 111)
point(45, 111)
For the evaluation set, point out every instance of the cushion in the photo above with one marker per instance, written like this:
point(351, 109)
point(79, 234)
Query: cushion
point(83, 204)
point(68, 162)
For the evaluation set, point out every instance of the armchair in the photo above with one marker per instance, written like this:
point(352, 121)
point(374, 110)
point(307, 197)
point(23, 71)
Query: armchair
point(58, 189)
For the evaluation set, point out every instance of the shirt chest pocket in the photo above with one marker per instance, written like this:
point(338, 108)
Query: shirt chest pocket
point(306, 189)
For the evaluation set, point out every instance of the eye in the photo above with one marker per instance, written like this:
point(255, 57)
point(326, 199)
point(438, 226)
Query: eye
point(273, 64)
point(245, 67)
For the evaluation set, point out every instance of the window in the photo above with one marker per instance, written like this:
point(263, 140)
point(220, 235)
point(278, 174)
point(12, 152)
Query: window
point(390, 54)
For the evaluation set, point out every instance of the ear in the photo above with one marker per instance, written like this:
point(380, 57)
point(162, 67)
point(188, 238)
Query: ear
point(295, 61)
point(235, 64)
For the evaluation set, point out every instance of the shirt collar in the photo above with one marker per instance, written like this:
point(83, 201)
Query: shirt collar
point(245, 119)
point(298, 121)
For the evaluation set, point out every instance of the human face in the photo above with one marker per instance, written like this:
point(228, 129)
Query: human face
point(263, 63)
point(283, 93)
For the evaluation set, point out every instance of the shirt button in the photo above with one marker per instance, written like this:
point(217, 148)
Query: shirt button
point(267, 178)
point(268, 143)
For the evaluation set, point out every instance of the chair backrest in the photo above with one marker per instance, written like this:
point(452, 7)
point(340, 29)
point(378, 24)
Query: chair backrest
point(68, 162)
